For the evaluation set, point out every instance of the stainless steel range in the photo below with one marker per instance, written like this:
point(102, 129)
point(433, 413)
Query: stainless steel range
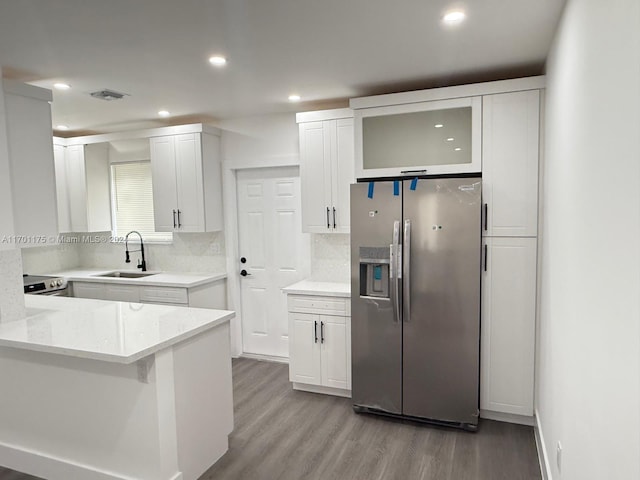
point(45, 285)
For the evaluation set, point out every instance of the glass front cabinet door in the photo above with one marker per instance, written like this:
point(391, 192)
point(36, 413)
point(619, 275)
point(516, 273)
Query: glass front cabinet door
point(425, 138)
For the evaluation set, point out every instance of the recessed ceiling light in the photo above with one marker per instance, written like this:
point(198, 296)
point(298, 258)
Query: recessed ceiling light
point(62, 127)
point(450, 139)
point(294, 98)
point(61, 86)
point(438, 125)
point(454, 17)
point(164, 113)
point(457, 149)
point(217, 60)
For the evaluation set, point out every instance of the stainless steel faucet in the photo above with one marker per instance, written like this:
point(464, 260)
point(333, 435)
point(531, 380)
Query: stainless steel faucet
point(141, 263)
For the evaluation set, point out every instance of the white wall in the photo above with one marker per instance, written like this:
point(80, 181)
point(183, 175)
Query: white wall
point(268, 141)
point(589, 339)
point(251, 142)
point(11, 291)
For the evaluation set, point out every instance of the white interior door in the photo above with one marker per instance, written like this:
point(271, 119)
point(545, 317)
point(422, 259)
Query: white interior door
point(276, 253)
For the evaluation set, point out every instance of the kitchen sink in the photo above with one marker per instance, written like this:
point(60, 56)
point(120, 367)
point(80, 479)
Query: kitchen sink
point(125, 274)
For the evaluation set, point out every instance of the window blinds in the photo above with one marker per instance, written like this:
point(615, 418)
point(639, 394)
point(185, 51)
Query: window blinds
point(132, 198)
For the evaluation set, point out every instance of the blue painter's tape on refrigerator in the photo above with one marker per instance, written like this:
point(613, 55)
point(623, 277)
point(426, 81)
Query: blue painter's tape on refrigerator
point(396, 187)
point(370, 193)
point(414, 184)
point(377, 272)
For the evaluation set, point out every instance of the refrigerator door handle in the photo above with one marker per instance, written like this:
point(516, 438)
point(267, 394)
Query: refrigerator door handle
point(328, 224)
point(393, 285)
point(406, 289)
point(394, 271)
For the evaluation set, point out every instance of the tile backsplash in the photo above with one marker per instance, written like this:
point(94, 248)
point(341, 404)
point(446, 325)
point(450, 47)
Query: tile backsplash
point(330, 257)
point(54, 258)
point(189, 252)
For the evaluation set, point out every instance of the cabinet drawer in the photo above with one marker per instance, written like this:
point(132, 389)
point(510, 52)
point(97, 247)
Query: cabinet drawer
point(121, 293)
point(317, 304)
point(88, 290)
point(164, 295)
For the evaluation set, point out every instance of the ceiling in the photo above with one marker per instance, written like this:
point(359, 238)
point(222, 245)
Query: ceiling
point(327, 51)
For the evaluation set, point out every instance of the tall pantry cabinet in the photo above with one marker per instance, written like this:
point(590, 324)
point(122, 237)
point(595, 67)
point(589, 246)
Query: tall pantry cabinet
point(511, 127)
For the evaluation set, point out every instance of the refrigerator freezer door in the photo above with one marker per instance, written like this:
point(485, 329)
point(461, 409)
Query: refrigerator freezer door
point(376, 329)
point(441, 321)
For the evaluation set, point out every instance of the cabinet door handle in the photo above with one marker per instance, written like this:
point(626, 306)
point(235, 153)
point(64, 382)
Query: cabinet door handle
point(179, 224)
point(328, 224)
point(486, 216)
point(174, 219)
point(334, 217)
point(485, 257)
point(321, 332)
point(315, 332)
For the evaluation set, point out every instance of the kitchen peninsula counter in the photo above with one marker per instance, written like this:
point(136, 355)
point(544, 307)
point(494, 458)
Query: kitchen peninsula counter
point(113, 390)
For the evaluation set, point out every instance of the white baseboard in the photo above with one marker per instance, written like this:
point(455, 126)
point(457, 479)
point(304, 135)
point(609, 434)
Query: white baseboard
point(543, 457)
point(54, 468)
point(265, 358)
point(507, 417)
point(338, 392)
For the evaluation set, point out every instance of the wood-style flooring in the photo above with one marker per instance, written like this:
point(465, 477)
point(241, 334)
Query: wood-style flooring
point(281, 434)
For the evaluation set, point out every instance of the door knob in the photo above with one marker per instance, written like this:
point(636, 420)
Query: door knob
point(244, 273)
point(243, 260)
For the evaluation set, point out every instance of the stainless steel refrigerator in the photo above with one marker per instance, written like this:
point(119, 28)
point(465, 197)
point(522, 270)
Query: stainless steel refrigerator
point(415, 304)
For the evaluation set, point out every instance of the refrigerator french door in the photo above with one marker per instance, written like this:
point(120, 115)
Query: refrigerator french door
point(415, 313)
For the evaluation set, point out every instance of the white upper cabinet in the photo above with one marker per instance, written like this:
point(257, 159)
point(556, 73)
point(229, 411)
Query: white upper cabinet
point(187, 185)
point(85, 204)
point(165, 193)
point(326, 169)
point(28, 115)
point(510, 163)
point(420, 138)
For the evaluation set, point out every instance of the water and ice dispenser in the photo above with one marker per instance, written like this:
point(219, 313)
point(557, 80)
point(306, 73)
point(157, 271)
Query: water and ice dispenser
point(374, 272)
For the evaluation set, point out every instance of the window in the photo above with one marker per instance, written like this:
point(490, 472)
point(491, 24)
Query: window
point(132, 201)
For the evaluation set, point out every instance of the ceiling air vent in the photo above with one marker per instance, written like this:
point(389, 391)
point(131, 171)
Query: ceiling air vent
point(107, 95)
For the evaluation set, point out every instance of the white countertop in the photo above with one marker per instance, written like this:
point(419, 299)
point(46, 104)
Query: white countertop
point(160, 279)
point(312, 287)
point(116, 332)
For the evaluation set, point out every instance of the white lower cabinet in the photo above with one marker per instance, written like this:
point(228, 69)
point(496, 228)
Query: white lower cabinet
point(508, 325)
point(320, 344)
point(304, 349)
